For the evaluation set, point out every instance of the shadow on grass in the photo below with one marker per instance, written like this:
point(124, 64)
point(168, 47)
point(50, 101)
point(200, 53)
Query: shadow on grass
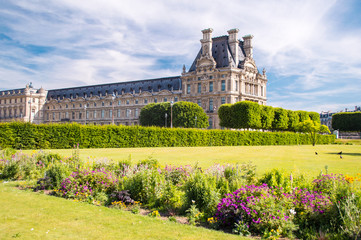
point(345, 153)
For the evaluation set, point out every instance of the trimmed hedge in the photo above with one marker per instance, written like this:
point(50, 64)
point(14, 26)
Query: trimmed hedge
point(247, 114)
point(21, 135)
point(347, 121)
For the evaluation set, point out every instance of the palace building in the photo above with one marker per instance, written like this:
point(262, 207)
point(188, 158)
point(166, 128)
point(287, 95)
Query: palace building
point(223, 71)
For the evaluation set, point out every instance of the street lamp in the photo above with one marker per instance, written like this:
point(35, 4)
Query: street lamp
point(215, 117)
point(85, 113)
point(195, 121)
point(166, 115)
point(113, 98)
point(29, 102)
point(171, 114)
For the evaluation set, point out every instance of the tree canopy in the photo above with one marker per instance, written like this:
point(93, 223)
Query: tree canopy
point(348, 121)
point(312, 128)
point(185, 114)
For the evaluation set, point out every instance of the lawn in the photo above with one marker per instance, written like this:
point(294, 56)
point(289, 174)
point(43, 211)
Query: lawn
point(29, 215)
point(300, 158)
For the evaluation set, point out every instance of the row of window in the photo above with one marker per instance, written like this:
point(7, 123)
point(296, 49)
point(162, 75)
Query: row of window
point(210, 87)
point(93, 114)
point(14, 100)
point(115, 92)
point(119, 102)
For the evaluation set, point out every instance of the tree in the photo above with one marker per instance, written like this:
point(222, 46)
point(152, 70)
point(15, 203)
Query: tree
point(293, 120)
point(246, 114)
point(189, 115)
point(312, 128)
point(225, 116)
point(348, 121)
point(280, 121)
point(185, 114)
point(267, 116)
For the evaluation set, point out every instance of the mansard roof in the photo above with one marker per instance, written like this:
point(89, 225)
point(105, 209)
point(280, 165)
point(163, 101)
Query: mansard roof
point(12, 91)
point(150, 85)
point(221, 53)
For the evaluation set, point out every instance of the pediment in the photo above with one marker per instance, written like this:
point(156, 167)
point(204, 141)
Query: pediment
point(206, 61)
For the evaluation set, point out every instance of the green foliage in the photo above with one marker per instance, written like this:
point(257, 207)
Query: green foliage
point(314, 116)
point(184, 114)
point(293, 120)
point(57, 173)
point(201, 190)
point(225, 116)
point(280, 121)
point(312, 128)
point(303, 115)
point(277, 178)
point(61, 136)
point(189, 115)
point(347, 121)
point(267, 117)
point(246, 115)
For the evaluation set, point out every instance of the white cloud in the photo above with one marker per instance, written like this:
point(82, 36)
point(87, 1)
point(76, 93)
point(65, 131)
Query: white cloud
point(306, 53)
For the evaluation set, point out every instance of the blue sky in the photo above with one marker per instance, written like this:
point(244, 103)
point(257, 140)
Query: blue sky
point(310, 49)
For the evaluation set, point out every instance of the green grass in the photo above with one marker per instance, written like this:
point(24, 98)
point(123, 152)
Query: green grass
point(349, 141)
point(291, 158)
point(58, 218)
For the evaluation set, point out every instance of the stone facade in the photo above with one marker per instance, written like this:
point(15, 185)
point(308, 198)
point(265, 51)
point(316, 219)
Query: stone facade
point(224, 71)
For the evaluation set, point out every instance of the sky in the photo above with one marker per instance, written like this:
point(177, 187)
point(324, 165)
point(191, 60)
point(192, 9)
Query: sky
point(311, 49)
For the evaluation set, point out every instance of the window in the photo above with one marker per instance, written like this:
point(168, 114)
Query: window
point(80, 115)
point(95, 114)
point(155, 100)
point(66, 105)
point(110, 113)
point(165, 100)
point(73, 115)
point(145, 101)
point(211, 104)
point(199, 78)
point(236, 85)
point(199, 102)
point(223, 85)
point(222, 76)
point(262, 91)
point(136, 112)
point(102, 114)
point(210, 77)
point(119, 102)
point(136, 101)
point(110, 103)
point(211, 87)
point(118, 113)
point(127, 112)
point(175, 99)
point(80, 105)
point(95, 104)
point(66, 115)
point(223, 100)
point(103, 104)
point(199, 87)
point(188, 88)
point(127, 102)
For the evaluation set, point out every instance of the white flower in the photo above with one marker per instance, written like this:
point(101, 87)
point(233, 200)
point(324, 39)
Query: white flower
point(292, 211)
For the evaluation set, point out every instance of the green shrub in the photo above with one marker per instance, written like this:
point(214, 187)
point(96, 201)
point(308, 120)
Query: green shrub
point(57, 173)
point(202, 190)
point(62, 136)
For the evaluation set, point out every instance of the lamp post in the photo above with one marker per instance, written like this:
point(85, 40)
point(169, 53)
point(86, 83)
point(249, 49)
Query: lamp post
point(29, 102)
point(166, 115)
point(195, 121)
point(85, 113)
point(171, 114)
point(215, 117)
point(113, 98)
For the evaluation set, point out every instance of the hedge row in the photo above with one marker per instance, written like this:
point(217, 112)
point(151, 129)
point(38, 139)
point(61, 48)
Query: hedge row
point(246, 114)
point(347, 121)
point(57, 136)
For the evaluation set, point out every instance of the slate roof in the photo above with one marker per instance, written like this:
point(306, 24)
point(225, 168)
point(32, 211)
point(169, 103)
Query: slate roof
point(19, 91)
point(150, 85)
point(222, 53)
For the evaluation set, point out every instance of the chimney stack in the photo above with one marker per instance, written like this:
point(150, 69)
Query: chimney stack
point(233, 44)
point(207, 42)
point(247, 46)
